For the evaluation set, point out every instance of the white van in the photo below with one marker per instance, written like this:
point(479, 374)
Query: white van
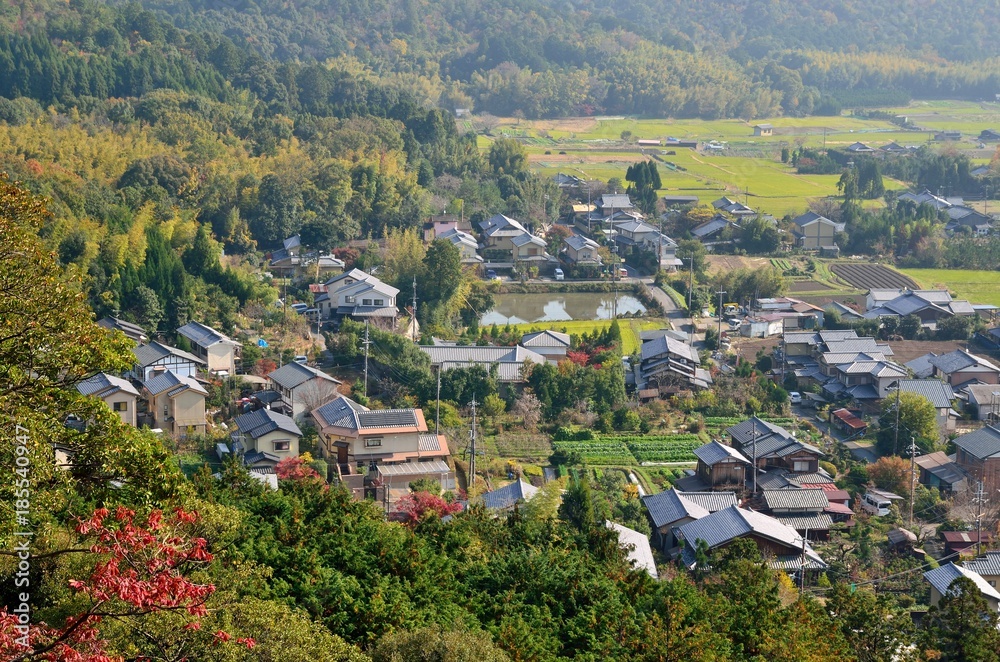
point(559, 274)
point(876, 504)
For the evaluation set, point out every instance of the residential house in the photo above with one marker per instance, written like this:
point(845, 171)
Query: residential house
point(550, 344)
point(979, 224)
point(358, 295)
point(312, 264)
point(672, 508)
point(930, 306)
point(563, 180)
point(640, 236)
point(960, 367)
point(216, 349)
point(947, 136)
point(636, 546)
point(610, 203)
point(981, 171)
point(773, 446)
point(711, 232)
point(921, 366)
point(939, 394)
point(860, 148)
point(983, 401)
point(581, 250)
point(813, 231)
point(964, 543)
point(989, 136)
point(176, 404)
point(302, 388)
point(802, 510)
point(762, 326)
point(941, 471)
point(737, 209)
point(942, 578)
point(509, 496)
point(721, 468)
point(925, 197)
point(509, 361)
point(530, 250)
point(978, 454)
point(133, 332)
point(498, 231)
point(782, 547)
point(156, 357)
point(763, 130)
point(987, 566)
point(393, 444)
point(893, 148)
point(466, 244)
point(267, 431)
point(670, 365)
point(118, 393)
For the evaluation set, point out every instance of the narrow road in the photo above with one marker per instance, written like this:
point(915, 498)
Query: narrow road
point(678, 318)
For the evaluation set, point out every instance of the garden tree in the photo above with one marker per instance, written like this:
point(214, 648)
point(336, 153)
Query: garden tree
point(758, 235)
point(875, 629)
point(508, 157)
point(403, 259)
point(892, 473)
point(461, 385)
point(143, 307)
point(578, 506)
point(494, 406)
point(917, 420)
point(742, 285)
point(433, 644)
point(645, 181)
point(442, 278)
point(961, 627)
point(529, 409)
point(416, 507)
point(956, 327)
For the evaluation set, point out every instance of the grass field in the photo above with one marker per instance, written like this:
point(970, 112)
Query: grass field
point(630, 329)
point(976, 286)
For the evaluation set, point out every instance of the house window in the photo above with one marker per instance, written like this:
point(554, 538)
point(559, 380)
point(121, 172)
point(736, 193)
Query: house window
point(379, 302)
point(373, 442)
point(350, 299)
point(120, 406)
point(366, 302)
point(800, 465)
point(282, 444)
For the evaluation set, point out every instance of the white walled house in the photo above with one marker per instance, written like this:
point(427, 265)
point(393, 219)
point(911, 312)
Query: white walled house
point(155, 357)
point(267, 431)
point(118, 393)
point(302, 388)
point(176, 404)
point(216, 349)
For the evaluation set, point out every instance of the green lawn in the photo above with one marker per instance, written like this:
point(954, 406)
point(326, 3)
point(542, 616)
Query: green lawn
point(976, 286)
point(630, 329)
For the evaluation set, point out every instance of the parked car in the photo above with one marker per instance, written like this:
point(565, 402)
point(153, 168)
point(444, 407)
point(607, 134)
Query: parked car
point(795, 398)
point(300, 307)
point(559, 274)
point(301, 358)
point(875, 504)
point(492, 275)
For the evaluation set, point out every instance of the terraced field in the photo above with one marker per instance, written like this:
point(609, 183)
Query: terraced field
point(866, 276)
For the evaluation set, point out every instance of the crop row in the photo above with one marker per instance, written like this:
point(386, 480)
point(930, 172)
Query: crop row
point(630, 450)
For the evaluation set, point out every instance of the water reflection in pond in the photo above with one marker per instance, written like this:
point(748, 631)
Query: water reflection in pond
point(549, 307)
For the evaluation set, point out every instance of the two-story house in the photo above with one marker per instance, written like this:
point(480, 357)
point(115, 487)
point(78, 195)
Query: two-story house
point(941, 579)
point(978, 454)
point(358, 295)
point(302, 388)
point(581, 250)
point(498, 231)
point(553, 345)
point(640, 236)
point(671, 508)
point(176, 404)
point(267, 431)
point(157, 357)
point(961, 367)
point(466, 244)
point(133, 332)
point(118, 393)
point(669, 365)
point(529, 249)
point(814, 231)
point(773, 446)
point(721, 467)
point(216, 349)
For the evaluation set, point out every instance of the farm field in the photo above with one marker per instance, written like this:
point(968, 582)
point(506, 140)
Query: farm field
point(975, 286)
point(623, 450)
point(630, 329)
point(866, 276)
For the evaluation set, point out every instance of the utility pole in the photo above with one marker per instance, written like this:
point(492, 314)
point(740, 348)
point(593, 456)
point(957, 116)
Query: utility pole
point(366, 343)
point(437, 416)
point(472, 444)
point(718, 314)
point(753, 443)
point(913, 475)
point(895, 440)
point(802, 564)
point(980, 500)
point(413, 322)
point(690, 282)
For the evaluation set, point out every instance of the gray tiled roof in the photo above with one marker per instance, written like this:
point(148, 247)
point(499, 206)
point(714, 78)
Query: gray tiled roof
point(292, 375)
point(664, 344)
point(103, 385)
point(712, 501)
point(451, 356)
point(133, 331)
point(616, 200)
point(856, 345)
point(545, 339)
point(343, 412)
point(988, 564)
point(723, 526)
point(256, 424)
point(578, 242)
point(835, 335)
point(921, 366)
point(811, 521)
point(203, 335)
point(939, 393)
point(173, 384)
point(508, 495)
point(150, 353)
point(671, 506)
point(942, 578)
point(960, 360)
point(714, 452)
point(811, 217)
point(637, 546)
point(796, 499)
point(745, 431)
point(982, 443)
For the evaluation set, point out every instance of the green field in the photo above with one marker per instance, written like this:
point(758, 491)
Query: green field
point(630, 329)
point(975, 286)
point(628, 449)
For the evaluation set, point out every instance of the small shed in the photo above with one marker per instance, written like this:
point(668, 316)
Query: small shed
point(763, 130)
point(901, 539)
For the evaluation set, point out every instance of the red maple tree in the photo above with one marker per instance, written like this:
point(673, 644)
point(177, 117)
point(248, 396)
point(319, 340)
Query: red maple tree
point(142, 570)
point(415, 506)
point(295, 468)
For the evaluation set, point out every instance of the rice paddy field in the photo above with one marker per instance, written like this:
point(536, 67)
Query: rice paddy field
point(748, 167)
point(630, 329)
point(975, 286)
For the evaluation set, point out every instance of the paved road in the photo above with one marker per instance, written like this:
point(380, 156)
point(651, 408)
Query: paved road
point(678, 318)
